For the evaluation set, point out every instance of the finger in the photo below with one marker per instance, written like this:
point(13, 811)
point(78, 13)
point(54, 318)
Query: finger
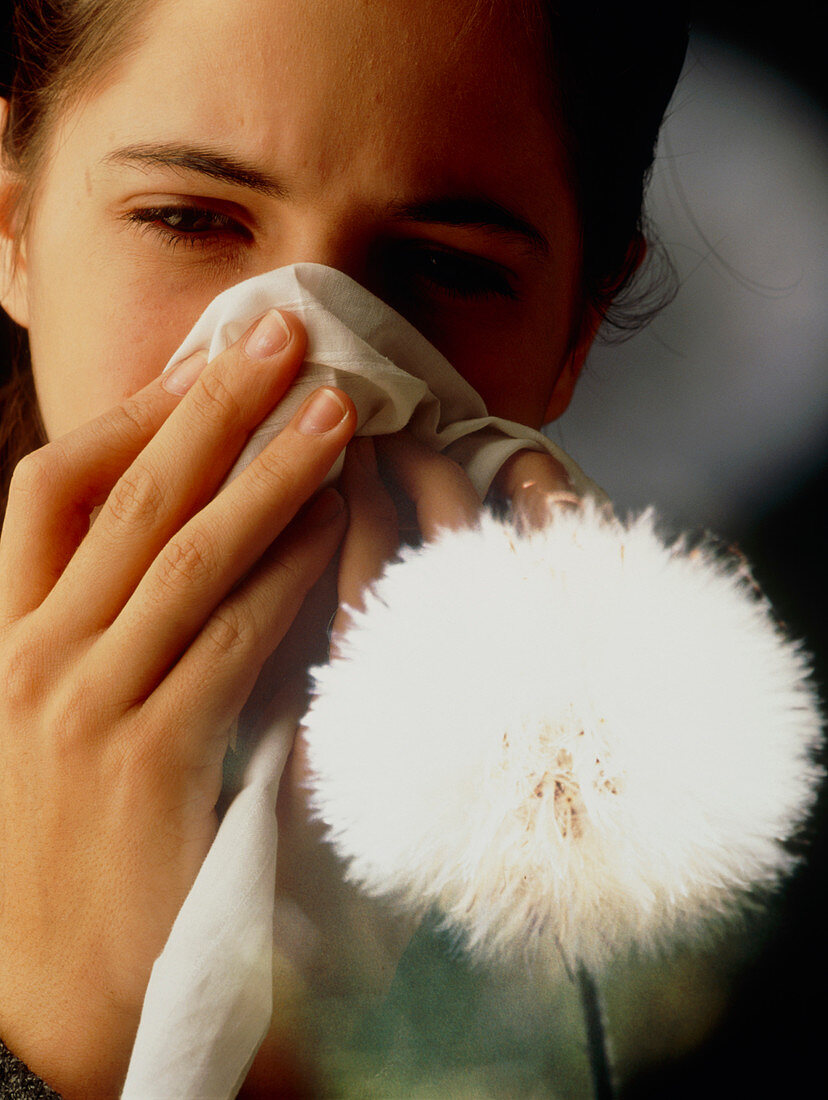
point(372, 538)
point(534, 484)
point(203, 561)
point(221, 666)
point(181, 467)
point(55, 489)
point(442, 494)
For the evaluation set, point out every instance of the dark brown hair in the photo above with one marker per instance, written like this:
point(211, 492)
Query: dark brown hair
point(60, 49)
point(614, 67)
point(50, 52)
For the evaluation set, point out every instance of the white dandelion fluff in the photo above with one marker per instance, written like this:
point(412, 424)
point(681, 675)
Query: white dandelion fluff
point(579, 736)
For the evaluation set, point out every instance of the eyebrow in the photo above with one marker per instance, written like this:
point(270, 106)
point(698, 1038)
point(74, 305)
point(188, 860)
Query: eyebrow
point(207, 162)
point(463, 211)
point(473, 212)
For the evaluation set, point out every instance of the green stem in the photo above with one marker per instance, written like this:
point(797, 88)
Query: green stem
point(597, 1048)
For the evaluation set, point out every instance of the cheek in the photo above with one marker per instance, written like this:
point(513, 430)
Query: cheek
point(87, 364)
point(100, 336)
point(516, 385)
point(512, 358)
point(102, 320)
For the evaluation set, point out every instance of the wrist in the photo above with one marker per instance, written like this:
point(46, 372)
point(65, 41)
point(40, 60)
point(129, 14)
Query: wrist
point(74, 1038)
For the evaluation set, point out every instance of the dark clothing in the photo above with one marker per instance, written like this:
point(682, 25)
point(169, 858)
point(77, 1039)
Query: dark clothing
point(17, 1082)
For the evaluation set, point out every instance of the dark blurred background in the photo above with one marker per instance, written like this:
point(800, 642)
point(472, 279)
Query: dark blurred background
point(789, 37)
point(718, 414)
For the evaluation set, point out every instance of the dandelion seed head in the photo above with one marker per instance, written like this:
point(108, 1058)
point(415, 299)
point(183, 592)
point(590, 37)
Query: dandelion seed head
point(580, 737)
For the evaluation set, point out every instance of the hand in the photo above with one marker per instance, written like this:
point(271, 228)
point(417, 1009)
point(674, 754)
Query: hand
point(438, 491)
point(126, 651)
point(532, 483)
point(529, 482)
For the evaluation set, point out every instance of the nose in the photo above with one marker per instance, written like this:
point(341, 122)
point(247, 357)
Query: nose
point(335, 241)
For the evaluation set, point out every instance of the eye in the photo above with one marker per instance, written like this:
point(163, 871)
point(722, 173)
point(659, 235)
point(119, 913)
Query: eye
point(192, 226)
point(424, 269)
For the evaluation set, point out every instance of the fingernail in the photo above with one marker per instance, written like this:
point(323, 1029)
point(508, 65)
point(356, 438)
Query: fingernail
point(322, 411)
point(327, 506)
point(269, 336)
point(179, 379)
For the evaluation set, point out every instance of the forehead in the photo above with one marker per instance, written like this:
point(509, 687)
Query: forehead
point(360, 45)
point(449, 88)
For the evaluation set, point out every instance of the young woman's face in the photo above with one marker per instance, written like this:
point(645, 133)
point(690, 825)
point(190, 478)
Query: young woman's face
point(397, 142)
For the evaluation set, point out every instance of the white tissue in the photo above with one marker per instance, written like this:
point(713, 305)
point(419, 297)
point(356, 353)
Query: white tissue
point(394, 376)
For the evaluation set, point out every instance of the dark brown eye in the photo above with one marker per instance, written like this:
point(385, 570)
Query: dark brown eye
point(186, 219)
point(183, 223)
point(424, 268)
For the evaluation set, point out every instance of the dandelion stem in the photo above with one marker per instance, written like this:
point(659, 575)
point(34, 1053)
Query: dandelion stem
point(597, 1048)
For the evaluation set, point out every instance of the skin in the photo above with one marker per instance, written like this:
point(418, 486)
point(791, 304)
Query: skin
point(109, 633)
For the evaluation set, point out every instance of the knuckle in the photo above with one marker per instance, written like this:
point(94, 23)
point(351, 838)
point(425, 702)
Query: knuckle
point(68, 717)
point(34, 476)
point(186, 560)
point(23, 673)
point(214, 400)
point(43, 697)
point(229, 631)
point(132, 422)
point(137, 498)
point(291, 571)
point(272, 467)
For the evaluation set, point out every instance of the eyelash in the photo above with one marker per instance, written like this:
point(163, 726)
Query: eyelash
point(415, 268)
point(157, 221)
